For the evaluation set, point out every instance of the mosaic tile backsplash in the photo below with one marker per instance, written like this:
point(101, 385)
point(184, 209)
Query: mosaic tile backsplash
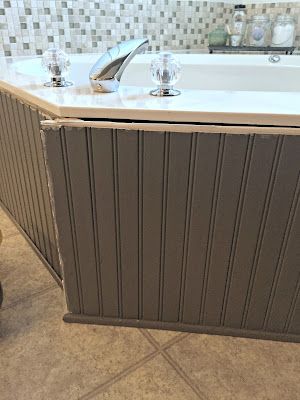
point(31, 26)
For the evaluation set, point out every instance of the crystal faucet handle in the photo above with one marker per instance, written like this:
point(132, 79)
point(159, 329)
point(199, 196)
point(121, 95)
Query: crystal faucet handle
point(165, 73)
point(56, 63)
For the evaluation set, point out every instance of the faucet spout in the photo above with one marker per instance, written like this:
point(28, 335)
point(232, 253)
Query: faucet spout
point(105, 75)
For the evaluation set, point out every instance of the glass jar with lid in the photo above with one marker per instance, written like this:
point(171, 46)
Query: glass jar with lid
point(259, 31)
point(283, 31)
point(238, 25)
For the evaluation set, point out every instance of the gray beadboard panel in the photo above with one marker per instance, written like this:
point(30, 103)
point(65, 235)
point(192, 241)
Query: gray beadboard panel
point(20, 138)
point(56, 164)
point(36, 187)
point(77, 160)
point(19, 165)
point(6, 192)
point(293, 322)
point(11, 122)
point(128, 202)
point(207, 148)
point(27, 195)
point(285, 286)
point(261, 162)
point(3, 182)
point(38, 191)
point(235, 153)
point(275, 232)
point(28, 166)
point(192, 229)
point(40, 186)
point(12, 176)
point(4, 189)
point(102, 159)
point(177, 186)
point(95, 229)
point(152, 195)
point(24, 189)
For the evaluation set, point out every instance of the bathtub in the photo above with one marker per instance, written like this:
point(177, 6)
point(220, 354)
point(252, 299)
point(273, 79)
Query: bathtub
point(173, 213)
point(245, 89)
point(199, 72)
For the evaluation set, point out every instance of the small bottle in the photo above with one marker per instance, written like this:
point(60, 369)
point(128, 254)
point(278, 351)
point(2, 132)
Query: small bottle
point(238, 25)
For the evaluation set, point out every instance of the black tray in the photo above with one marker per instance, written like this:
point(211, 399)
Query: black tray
point(268, 49)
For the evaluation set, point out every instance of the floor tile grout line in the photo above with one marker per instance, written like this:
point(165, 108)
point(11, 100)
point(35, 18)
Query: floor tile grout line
point(127, 371)
point(150, 339)
point(29, 297)
point(183, 375)
point(171, 342)
point(173, 363)
point(165, 345)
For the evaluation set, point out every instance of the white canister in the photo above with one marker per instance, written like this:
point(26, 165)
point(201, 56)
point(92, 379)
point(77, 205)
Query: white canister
point(283, 31)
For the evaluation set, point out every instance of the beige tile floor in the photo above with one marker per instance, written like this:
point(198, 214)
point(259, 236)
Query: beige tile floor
point(43, 358)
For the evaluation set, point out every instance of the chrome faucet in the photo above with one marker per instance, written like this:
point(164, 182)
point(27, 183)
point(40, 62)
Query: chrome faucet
point(106, 73)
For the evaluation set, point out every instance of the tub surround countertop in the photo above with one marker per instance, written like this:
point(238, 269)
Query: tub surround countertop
point(24, 78)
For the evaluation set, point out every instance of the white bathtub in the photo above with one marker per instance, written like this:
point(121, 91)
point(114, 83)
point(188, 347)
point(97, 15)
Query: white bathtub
point(199, 72)
point(231, 89)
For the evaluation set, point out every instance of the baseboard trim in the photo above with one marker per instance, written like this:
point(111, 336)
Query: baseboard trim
point(33, 246)
point(178, 326)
